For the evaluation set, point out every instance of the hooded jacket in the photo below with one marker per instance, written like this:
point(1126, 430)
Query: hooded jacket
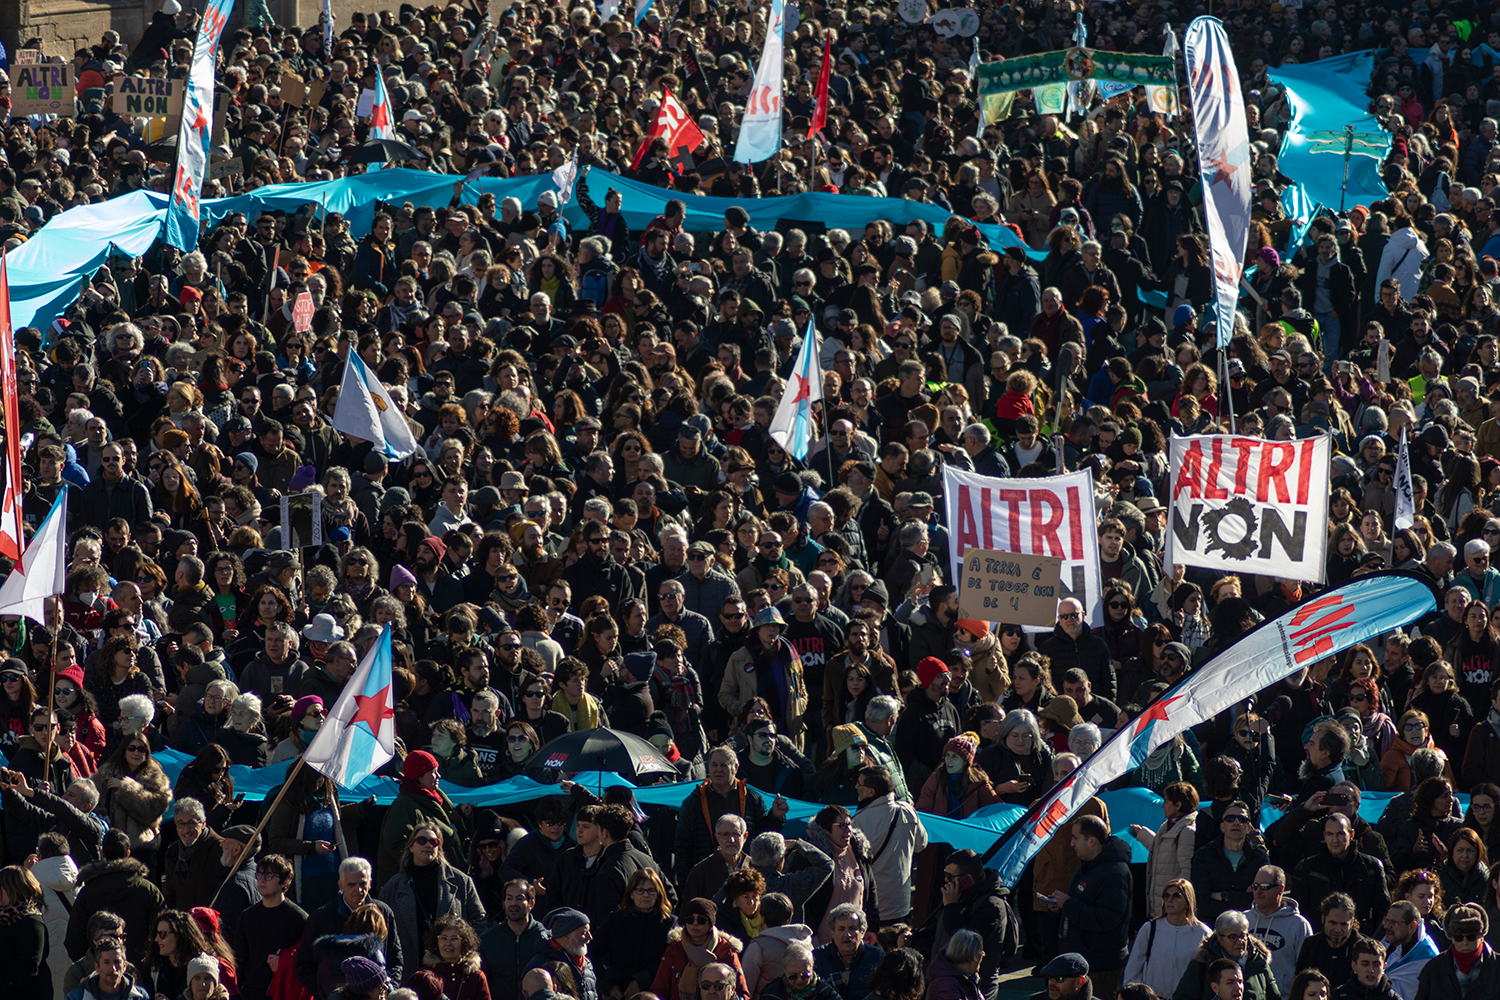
point(985, 909)
point(761, 959)
point(1402, 258)
point(670, 983)
point(1096, 916)
point(817, 906)
point(123, 887)
point(1283, 933)
point(1259, 984)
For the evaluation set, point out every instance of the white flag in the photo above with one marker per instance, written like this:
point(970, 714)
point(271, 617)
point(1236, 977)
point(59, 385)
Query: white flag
point(1406, 506)
point(43, 569)
point(760, 128)
point(1224, 159)
point(565, 177)
point(365, 411)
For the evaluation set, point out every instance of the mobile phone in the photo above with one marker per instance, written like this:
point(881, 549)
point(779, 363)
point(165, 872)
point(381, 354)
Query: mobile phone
point(1336, 799)
point(925, 577)
point(1044, 897)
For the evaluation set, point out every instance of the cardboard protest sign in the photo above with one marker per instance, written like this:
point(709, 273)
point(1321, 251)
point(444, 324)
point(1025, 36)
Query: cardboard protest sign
point(41, 89)
point(144, 95)
point(1009, 587)
point(1250, 506)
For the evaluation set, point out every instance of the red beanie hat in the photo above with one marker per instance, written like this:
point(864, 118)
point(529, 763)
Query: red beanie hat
point(417, 764)
point(928, 669)
point(74, 674)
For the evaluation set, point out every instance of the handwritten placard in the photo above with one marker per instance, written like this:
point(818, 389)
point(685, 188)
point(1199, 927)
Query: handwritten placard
point(1010, 587)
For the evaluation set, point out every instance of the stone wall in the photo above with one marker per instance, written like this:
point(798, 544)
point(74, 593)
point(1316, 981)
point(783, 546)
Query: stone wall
point(64, 26)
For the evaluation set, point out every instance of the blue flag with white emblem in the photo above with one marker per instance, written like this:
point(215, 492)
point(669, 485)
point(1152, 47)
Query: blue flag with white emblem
point(365, 411)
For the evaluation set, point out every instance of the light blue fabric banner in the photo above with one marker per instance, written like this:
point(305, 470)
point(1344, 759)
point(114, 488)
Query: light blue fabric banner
point(1326, 97)
point(47, 272)
point(978, 832)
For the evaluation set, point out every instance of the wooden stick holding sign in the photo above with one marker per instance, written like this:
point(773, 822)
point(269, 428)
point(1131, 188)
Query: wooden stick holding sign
point(1010, 587)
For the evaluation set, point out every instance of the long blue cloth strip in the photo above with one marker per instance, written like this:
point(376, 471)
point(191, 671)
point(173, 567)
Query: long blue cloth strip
point(1126, 806)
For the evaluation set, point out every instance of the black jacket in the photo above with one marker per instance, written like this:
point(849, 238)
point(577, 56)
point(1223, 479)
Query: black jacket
point(535, 858)
point(329, 919)
point(505, 955)
point(1096, 917)
point(1439, 978)
point(1333, 962)
point(696, 820)
point(1088, 651)
point(1358, 874)
point(921, 733)
point(603, 577)
point(985, 908)
point(85, 831)
point(1213, 873)
point(1383, 990)
point(598, 888)
point(123, 887)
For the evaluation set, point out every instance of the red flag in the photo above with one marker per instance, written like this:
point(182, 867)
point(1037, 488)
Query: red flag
point(12, 540)
point(820, 92)
point(675, 125)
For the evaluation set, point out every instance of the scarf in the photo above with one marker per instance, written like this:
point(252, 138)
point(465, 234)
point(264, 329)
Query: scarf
point(15, 913)
point(683, 693)
point(701, 955)
point(753, 925)
point(575, 960)
point(585, 715)
point(1465, 962)
point(763, 565)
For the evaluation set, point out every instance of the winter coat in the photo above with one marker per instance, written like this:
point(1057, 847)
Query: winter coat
point(696, 819)
point(742, 683)
point(326, 954)
point(1096, 915)
point(851, 980)
point(677, 978)
point(1213, 873)
point(1056, 862)
point(1402, 258)
point(1161, 953)
point(506, 954)
point(896, 834)
point(946, 981)
point(761, 959)
point(776, 990)
point(124, 888)
point(629, 946)
point(26, 973)
point(318, 964)
point(1439, 978)
point(59, 879)
point(984, 908)
point(401, 819)
point(456, 895)
point(597, 888)
point(1171, 850)
point(1259, 982)
point(197, 885)
point(1482, 757)
point(138, 804)
point(462, 980)
point(817, 905)
point(1357, 874)
point(1088, 651)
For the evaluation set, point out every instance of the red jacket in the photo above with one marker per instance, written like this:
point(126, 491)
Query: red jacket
point(674, 963)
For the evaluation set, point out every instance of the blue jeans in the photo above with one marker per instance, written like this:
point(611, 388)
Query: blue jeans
point(1328, 324)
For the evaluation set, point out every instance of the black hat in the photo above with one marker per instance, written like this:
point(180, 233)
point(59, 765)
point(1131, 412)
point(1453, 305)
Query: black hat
point(1068, 965)
point(789, 483)
point(878, 593)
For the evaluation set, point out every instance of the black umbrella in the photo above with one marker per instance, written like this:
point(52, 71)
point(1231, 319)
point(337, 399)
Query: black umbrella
point(600, 750)
point(385, 151)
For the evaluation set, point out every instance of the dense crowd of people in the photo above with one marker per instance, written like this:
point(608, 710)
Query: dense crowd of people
point(599, 528)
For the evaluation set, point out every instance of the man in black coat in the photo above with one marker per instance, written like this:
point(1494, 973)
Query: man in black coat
point(1073, 644)
point(929, 722)
point(598, 572)
point(113, 494)
point(721, 794)
point(1096, 905)
point(1331, 949)
point(1340, 867)
point(355, 879)
point(974, 898)
point(1221, 884)
point(628, 700)
point(595, 872)
point(1018, 296)
point(535, 856)
point(70, 814)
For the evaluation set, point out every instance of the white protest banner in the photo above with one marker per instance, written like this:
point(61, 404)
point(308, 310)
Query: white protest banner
point(1250, 506)
point(1040, 517)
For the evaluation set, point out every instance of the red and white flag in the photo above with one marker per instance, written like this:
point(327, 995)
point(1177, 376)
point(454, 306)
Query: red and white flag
point(382, 126)
point(42, 572)
point(12, 541)
point(820, 92)
point(1223, 157)
point(674, 124)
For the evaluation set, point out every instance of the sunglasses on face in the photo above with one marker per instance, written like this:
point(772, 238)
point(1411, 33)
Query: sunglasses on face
point(690, 921)
point(427, 841)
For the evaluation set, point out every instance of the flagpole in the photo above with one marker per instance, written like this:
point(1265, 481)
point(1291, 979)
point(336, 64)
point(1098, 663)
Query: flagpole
point(264, 817)
point(1224, 381)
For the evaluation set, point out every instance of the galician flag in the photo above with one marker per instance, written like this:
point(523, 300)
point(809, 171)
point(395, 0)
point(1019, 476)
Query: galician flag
point(366, 411)
point(760, 128)
point(381, 122)
point(792, 427)
point(43, 569)
point(1406, 500)
point(12, 539)
point(195, 134)
point(1319, 627)
point(359, 735)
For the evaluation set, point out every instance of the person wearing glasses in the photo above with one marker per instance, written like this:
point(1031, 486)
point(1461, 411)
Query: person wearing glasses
point(415, 901)
point(1231, 940)
point(112, 494)
point(1164, 945)
point(1400, 958)
point(701, 961)
point(1467, 961)
point(1222, 884)
point(1276, 922)
point(263, 931)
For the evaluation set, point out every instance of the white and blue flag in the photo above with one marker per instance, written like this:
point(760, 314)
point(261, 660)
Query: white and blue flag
point(792, 427)
point(359, 735)
point(760, 128)
point(365, 411)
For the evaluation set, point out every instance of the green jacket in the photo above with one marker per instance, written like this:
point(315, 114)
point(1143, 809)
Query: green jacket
point(404, 815)
point(886, 757)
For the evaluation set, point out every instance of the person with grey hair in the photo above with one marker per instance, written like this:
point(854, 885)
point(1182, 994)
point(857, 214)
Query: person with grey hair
point(1083, 740)
point(722, 794)
point(768, 855)
point(799, 978)
point(1232, 940)
point(846, 961)
point(879, 725)
point(71, 814)
point(954, 974)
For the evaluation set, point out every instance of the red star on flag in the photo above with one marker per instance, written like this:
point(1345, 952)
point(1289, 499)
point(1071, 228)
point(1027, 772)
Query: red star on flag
point(1223, 169)
point(380, 116)
point(1156, 712)
point(804, 391)
point(372, 709)
point(201, 121)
